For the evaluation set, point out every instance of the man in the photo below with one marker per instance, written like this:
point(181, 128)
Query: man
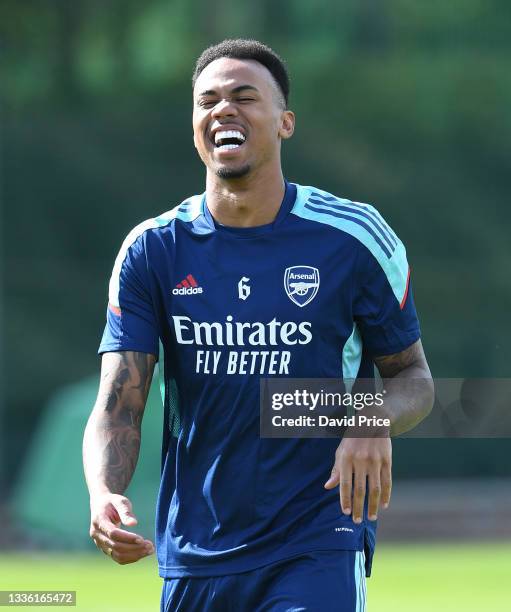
point(245, 523)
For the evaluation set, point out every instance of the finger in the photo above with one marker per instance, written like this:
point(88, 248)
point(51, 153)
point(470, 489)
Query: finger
point(346, 486)
point(120, 535)
point(146, 545)
point(105, 543)
point(359, 493)
point(125, 558)
point(374, 494)
point(119, 551)
point(386, 485)
point(124, 510)
point(333, 480)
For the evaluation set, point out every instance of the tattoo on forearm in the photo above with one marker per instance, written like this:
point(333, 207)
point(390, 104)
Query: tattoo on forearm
point(391, 365)
point(121, 457)
point(128, 382)
point(409, 387)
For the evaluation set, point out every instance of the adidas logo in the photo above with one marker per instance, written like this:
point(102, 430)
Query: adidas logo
point(187, 286)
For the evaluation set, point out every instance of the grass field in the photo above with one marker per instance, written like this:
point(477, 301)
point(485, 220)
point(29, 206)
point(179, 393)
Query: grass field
point(411, 578)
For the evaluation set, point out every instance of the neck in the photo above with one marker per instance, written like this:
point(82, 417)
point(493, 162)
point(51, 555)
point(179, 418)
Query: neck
point(246, 202)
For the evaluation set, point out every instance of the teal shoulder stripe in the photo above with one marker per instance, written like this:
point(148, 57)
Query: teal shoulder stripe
point(136, 232)
point(393, 263)
point(187, 211)
point(169, 396)
point(351, 358)
point(161, 372)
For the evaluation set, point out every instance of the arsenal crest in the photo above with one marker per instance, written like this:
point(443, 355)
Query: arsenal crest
point(301, 284)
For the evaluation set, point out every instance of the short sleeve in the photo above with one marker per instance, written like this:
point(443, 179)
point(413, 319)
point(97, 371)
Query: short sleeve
point(383, 305)
point(131, 323)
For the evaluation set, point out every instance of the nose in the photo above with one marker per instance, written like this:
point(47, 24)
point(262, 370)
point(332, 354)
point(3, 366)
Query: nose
point(224, 108)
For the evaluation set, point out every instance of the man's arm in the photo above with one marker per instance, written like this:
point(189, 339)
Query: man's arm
point(111, 445)
point(361, 460)
point(409, 387)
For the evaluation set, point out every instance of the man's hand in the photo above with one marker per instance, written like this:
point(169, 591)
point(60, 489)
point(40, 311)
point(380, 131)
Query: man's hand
point(362, 462)
point(107, 514)
point(358, 461)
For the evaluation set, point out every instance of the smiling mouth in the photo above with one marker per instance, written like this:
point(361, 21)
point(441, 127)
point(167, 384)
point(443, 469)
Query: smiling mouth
point(228, 140)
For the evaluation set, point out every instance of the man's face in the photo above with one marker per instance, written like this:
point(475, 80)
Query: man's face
point(238, 117)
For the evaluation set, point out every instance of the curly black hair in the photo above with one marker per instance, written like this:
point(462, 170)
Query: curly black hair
point(240, 48)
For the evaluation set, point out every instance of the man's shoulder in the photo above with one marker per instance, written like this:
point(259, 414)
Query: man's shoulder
point(187, 211)
point(325, 203)
point(359, 220)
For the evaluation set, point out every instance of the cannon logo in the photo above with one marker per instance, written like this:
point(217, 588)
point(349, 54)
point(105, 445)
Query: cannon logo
point(301, 284)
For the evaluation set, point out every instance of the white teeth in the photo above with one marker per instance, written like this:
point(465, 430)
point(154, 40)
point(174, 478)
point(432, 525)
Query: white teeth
point(229, 134)
point(228, 147)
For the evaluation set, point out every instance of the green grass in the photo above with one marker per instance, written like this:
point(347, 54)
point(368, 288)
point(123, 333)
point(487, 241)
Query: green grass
point(414, 578)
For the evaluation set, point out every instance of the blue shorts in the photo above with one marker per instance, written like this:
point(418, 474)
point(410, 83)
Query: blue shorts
point(323, 581)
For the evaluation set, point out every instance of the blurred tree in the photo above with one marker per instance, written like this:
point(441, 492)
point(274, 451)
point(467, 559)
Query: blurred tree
point(69, 17)
point(404, 104)
point(371, 25)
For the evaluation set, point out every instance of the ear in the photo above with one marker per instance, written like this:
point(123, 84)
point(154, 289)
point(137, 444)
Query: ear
point(287, 125)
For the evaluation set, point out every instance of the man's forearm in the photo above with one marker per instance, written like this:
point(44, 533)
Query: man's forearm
point(110, 453)
point(408, 399)
point(112, 437)
point(409, 389)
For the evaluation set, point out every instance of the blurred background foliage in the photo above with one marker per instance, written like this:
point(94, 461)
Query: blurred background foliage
point(401, 103)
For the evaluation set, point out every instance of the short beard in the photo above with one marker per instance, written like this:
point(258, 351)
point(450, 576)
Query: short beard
point(233, 173)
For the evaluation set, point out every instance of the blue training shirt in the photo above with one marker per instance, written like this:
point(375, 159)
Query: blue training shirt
point(317, 293)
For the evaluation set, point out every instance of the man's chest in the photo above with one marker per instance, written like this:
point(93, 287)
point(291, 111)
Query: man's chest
point(256, 306)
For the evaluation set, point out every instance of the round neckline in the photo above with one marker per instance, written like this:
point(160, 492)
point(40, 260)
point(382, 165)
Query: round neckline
point(256, 230)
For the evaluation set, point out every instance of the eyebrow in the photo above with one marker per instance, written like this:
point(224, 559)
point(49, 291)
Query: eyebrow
point(239, 89)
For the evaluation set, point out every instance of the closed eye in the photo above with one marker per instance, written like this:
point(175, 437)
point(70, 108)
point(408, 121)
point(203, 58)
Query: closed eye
point(212, 103)
point(207, 103)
